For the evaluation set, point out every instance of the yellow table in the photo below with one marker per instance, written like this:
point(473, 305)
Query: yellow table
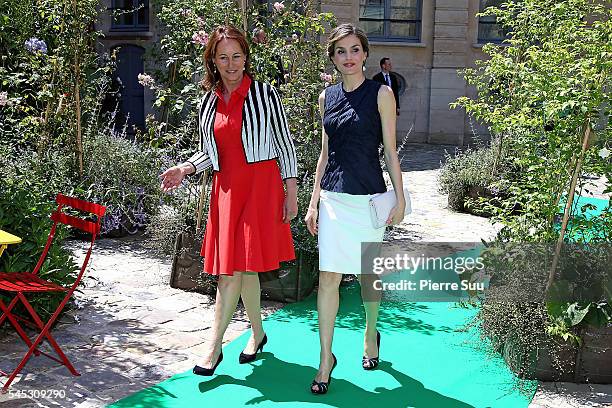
point(6, 239)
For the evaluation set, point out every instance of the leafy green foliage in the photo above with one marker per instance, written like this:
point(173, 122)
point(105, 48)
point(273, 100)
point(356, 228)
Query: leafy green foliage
point(41, 85)
point(476, 180)
point(47, 51)
point(121, 174)
point(538, 94)
point(26, 203)
point(545, 95)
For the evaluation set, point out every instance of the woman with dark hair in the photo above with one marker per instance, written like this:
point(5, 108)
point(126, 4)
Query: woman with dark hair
point(243, 134)
point(358, 116)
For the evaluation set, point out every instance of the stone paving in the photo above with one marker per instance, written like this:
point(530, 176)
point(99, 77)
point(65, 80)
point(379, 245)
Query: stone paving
point(130, 330)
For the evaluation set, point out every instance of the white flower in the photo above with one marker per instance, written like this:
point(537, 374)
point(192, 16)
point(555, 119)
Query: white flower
point(3, 98)
point(295, 37)
point(201, 22)
point(532, 231)
point(279, 6)
point(604, 153)
point(145, 80)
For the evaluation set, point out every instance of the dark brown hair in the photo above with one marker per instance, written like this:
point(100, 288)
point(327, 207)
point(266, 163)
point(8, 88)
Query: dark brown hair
point(342, 31)
point(213, 78)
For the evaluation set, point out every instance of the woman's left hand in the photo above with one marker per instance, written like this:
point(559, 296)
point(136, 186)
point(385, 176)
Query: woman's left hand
point(396, 215)
point(290, 207)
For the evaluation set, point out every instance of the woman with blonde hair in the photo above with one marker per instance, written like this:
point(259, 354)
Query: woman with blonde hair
point(358, 116)
point(244, 138)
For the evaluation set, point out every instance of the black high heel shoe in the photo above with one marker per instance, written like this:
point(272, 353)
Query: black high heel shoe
point(207, 372)
point(247, 358)
point(322, 386)
point(372, 363)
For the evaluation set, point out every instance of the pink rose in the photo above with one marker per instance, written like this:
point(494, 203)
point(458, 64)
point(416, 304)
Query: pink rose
point(200, 37)
point(325, 77)
point(145, 80)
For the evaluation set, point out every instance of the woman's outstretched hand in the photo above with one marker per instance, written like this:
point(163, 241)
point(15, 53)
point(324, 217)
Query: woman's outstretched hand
point(172, 178)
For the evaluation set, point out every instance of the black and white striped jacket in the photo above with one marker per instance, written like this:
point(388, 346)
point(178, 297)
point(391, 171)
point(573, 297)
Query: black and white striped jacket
point(265, 132)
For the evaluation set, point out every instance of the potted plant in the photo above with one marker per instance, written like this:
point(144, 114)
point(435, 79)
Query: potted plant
point(545, 91)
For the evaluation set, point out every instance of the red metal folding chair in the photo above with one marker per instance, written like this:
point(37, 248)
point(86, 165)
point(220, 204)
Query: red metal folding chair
point(18, 284)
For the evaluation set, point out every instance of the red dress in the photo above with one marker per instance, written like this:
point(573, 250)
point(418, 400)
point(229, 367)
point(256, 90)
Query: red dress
point(245, 229)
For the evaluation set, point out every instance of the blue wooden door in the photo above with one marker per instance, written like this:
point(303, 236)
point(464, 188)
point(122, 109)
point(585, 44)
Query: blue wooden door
point(129, 65)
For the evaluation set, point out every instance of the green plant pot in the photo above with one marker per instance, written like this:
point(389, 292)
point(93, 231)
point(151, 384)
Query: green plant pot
point(595, 356)
point(539, 365)
point(591, 362)
point(187, 271)
point(294, 281)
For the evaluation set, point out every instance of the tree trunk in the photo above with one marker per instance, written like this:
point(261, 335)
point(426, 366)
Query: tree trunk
point(166, 111)
point(77, 97)
point(243, 10)
point(568, 206)
point(561, 184)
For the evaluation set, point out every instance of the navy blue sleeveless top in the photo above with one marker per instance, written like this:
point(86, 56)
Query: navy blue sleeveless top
point(352, 123)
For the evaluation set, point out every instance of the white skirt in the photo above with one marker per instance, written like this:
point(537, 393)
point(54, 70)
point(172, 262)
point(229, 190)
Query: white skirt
point(344, 223)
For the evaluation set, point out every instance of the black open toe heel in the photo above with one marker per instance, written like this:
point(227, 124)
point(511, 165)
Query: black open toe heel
point(322, 387)
point(372, 363)
point(247, 358)
point(207, 372)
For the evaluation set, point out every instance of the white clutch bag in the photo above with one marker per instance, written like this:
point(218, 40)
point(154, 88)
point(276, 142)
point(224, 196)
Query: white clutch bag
point(382, 204)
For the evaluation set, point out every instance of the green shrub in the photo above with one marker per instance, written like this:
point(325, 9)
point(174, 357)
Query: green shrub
point(178, 213)
point(516, 312)
point(123, 175)
point(474, 178)
point(27, 193)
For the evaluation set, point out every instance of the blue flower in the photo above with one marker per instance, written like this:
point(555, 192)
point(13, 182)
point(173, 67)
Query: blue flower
point(35, 45)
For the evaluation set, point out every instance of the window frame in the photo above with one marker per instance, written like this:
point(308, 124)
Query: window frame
point(137, 26)
point(492, 22)
point(418, 22)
